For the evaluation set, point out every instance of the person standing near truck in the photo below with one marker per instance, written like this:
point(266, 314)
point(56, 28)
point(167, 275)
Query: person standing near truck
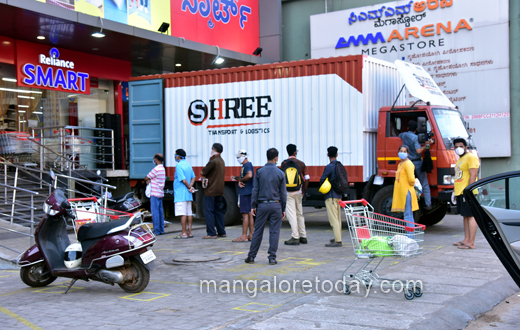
point(415, 150)
point(269, 198)
point(157, 178)
point(245, 189)
point(404, 198)
point(332, 198)
point(297, 181)
point(466, 173)
point(183, 192)
point(214, 172)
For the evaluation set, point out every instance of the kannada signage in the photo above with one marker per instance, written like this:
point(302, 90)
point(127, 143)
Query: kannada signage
point(462, 44)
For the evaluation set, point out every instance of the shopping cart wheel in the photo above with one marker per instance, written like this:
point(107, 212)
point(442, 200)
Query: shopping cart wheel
point(409, 294)
point(346, 290)
point(418, 292)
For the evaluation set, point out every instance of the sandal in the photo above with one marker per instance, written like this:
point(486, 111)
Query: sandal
point(240, 239)
point(180, 237)
point(209, 237)
point(250, 238)
point(190, 236)
point(221, 235)
point(465, 247)
point(458, 243)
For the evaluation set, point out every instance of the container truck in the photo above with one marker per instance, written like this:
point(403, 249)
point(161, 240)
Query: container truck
point(355, 103)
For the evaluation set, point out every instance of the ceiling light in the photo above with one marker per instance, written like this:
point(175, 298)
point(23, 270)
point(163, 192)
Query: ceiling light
point(22, 106)
point(23, 121)
point(18, 90)
point(72, 95)
point(9, 79)
point(178, 64)
point(218, 59)
point(99, 34)
point(21, 111)
point(6, 42)
point(26, 97)
point(38, 113)
point(40, 37)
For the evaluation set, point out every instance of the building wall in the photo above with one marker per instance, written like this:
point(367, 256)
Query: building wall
point(296, 46)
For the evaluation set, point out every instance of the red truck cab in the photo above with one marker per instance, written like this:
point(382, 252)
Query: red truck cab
point(440, 123)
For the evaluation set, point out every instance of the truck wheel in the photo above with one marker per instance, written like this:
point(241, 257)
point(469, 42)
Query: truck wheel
point(231, 210)
point(382, 202)
point(434, 216)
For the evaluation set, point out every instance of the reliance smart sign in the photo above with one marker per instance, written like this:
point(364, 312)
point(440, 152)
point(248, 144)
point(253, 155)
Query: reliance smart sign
point(229, 24)
point(462, 44)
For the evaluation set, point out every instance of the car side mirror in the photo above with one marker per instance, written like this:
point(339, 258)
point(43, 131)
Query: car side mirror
point(421, 125)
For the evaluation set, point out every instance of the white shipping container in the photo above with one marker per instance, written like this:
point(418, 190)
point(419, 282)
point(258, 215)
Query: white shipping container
point(311, 109)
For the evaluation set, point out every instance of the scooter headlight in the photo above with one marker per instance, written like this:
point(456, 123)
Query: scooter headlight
point(48, 210)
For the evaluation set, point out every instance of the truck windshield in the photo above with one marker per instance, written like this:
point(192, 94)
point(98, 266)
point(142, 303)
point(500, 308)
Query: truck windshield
point(450, 123)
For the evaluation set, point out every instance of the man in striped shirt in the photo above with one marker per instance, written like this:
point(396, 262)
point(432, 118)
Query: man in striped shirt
point(157, 178)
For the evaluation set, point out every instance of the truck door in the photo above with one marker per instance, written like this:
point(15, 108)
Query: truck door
point(145, 125)
point(392, 141)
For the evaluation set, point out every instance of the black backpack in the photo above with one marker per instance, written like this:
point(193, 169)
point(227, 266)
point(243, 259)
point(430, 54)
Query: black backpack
point(293, 177)
point(340, 181)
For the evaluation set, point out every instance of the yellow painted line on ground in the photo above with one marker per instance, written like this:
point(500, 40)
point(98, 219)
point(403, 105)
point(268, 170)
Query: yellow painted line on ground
point(14, 292)
point(241, 308)
point(233, 253)
point(47, 290)
point(159, 295)
point(9, 271)
point(18, 318)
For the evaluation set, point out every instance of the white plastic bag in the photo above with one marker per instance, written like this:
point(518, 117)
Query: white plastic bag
point(418, 188)
point(403, 246)
point(148, 191)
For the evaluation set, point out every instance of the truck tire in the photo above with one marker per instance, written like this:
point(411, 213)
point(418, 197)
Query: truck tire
point(434, 216)
point(231, 210)
point(382, 203)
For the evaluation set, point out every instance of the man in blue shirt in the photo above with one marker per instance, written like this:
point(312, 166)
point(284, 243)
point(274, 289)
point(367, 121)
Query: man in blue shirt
point(183, 192)
point(245, 189)
point(269, 197)
point(332, 198)
point(415, 150)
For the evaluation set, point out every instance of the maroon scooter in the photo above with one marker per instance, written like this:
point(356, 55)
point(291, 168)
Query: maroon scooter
point(113, 252)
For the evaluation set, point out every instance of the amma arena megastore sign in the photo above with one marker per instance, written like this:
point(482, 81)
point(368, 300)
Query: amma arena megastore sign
point(462, 44)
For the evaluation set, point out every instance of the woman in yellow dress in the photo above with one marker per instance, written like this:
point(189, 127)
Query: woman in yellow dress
point(404, 192)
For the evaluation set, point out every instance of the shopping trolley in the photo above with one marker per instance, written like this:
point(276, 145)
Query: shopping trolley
point(89, 210)
point(374, 236)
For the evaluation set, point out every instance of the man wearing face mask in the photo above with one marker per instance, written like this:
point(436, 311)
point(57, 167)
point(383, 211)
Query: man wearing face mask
point(214, 172)
point(411, 140)
point(157, 178)
point(269, 197)
point(245, 189)
point(466, 172)
point(183, 192)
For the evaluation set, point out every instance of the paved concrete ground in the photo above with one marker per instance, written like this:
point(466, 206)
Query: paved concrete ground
point(504, 316)
point(459, 285)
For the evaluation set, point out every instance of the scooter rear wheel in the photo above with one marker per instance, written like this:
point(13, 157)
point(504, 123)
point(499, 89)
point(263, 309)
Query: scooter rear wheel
point(141, 278)
point(31, 275)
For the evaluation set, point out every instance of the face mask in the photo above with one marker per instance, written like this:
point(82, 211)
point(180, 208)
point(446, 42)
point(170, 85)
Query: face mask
point(403, 155)
point(460, 151)
point(213, 153)
point(153, 161)
point(241, 159)
point(178, 159)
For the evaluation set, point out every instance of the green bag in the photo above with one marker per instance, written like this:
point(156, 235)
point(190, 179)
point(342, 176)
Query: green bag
point(378, 246)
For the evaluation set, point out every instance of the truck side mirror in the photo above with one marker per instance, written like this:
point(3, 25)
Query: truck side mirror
point(421, 125)
point(421, 137)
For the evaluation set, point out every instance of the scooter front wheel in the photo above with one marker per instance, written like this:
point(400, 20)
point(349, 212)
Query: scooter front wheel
point(141, 277)
point(32, 275)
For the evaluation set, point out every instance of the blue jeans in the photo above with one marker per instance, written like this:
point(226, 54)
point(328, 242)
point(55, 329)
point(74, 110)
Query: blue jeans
point(423, 178)
point(214, 215)
point(408, 213)
point(156, 205)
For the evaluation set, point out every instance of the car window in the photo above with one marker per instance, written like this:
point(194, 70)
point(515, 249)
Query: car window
point(504, 194)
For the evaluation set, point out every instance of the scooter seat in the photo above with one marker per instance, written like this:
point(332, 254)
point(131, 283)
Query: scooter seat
point(96, 230)
point(121, 198)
